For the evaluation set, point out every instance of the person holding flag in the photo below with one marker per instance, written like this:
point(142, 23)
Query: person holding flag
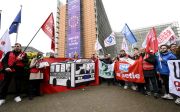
point(13, 65)
point(163, 69)
point(149, 71)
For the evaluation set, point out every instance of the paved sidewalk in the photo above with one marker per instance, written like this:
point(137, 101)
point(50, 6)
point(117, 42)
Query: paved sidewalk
point(101, 98)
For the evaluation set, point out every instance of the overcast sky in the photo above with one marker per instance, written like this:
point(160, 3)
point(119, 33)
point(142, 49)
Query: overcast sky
point(136, 13)
point(141, 13)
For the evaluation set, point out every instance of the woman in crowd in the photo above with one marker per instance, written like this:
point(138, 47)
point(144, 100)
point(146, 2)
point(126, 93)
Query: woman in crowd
point(35, 76)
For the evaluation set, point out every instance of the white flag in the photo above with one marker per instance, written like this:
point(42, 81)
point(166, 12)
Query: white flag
point(5, 43)
point(110, 40)
point(124, 45)
point(165, 36)
point(97, 45)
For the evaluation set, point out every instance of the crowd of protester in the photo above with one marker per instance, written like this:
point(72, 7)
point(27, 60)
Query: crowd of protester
point(155, 70)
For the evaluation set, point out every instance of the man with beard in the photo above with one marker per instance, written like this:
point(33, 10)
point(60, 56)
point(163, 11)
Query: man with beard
point(173, 48)
point(13, 65)
point(163, 68)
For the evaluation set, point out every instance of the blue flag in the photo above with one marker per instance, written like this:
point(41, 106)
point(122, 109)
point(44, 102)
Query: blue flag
point(129, 35)
point(14, 26)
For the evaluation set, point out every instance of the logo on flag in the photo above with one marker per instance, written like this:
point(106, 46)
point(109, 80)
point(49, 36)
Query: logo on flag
point(110, 40)
point(124, 67)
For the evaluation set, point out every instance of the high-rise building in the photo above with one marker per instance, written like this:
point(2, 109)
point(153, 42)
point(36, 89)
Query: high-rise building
point(81, 23)
point(62, 32)
point(57, 26)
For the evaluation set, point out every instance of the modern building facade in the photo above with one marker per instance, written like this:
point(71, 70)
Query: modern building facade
point(141, 33)
point(62, 32)
point(81, 23)
point(57, 26)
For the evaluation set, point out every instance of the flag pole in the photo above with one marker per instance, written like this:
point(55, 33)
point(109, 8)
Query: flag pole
point(160, 59)
point(18, 27)
point(31, 40)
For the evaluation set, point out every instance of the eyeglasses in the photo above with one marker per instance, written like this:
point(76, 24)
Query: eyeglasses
point(17, 46)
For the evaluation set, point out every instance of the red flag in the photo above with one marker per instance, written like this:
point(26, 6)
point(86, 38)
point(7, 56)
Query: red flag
point(151, 41)
point(48, 28)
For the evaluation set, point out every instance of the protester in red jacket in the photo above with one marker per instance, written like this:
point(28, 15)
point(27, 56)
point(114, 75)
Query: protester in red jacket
point(13, 65)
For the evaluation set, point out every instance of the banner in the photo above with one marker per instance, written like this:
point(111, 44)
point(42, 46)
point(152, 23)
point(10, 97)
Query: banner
point(165, 35)
point(106, 70)
point(73, 28)
point(174, 78)
point(72, 74)
point(129, 71)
